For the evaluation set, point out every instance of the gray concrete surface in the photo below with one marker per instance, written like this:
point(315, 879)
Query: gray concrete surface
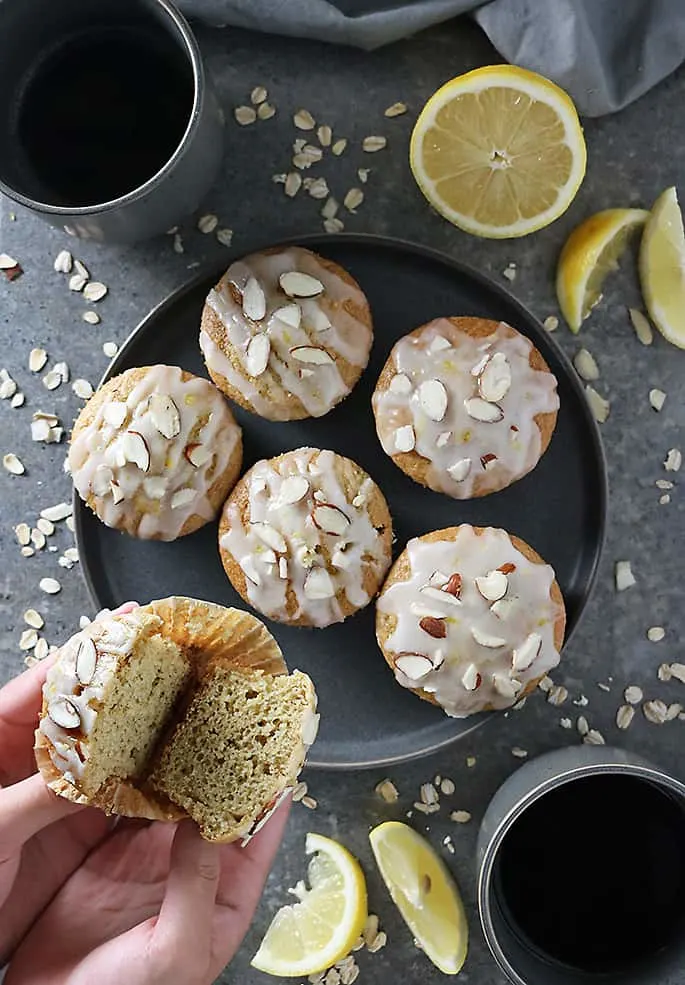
point(631, 158)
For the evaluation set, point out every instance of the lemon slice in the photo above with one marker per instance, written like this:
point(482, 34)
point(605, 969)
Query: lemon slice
point(499, 151)
point(312, 934)
point(424, 892)
point(590, 252)
point(662, 267)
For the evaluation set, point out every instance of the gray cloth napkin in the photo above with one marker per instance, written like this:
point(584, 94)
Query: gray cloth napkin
point(605, 53)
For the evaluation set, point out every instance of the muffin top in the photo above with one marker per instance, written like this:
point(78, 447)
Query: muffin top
point(311, 534)
point(291, 328)
point(473, 398)
point(470, 617)
point(148, 448)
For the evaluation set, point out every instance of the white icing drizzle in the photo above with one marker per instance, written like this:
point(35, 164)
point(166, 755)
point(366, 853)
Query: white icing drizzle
point(456, 443)
point(317, 386)
point(458, 657)
point(351, 553)
point(112, 638)
point(172, 489)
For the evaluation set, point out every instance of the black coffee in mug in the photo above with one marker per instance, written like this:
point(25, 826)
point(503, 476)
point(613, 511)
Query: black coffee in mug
point(592, 874)
point(101, 113)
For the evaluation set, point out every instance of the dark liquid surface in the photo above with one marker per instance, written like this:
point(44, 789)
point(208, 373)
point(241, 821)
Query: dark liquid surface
point(593, 874)
point(102, 113)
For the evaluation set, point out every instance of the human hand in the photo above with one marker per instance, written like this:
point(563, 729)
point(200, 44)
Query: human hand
point(149, 903)
point(43, 838)
point(154, 904)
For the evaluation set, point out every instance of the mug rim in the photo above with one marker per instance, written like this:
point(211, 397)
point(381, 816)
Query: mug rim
point(192, 50)
point(582, 771)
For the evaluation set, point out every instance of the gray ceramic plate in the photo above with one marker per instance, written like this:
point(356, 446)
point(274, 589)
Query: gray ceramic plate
point(367, 719)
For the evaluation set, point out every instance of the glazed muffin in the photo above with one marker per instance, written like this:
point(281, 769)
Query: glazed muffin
point(306, 537)
point(155, 452)
point(178, 708)
point(286, 333)
point(470, 619)
point(465, 406)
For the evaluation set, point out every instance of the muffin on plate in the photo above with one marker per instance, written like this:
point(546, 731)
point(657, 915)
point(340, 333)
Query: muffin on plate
point(470, 619)
point(178, 708)
point(465, 406)
point(306, 537)
point(155, 452)
point(286, 333)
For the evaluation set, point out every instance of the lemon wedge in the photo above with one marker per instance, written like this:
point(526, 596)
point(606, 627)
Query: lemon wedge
point(662, 267)
point(424, 892)
point(499, 151)
point(321, 928)
point(591, 251)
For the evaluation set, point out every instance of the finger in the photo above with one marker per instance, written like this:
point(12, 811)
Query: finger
point(22, 697)
point(184, 927)
point(26, 808)
point(243, 874)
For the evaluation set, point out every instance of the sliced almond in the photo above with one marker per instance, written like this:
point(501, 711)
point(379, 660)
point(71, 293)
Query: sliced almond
point(471, 679)
point(643, 329)
point(64, 713)
point(33, 619)
point(495, 379)
point(318, 319)
point(487, 639)
point(94, 291)
point(298, 285)
point(37, 360)
point(437, 628)
point(586, 366)
point(598, 405)
point(257, 356)
point(115, 413)
point(293, 489)
point(63, 262)
point(314, 354)
point(289, 314)
point(86, 660)
point(117, 493)
point(488, 461)
point(304, 120)
point(373, 144)
point(453, 585)
point(460, 470)
point(413, 665)
point(505, 686)
point(483, 410)
point(440, 595)
point(183, 497)
point(13, 464)
point(480, 365)
point(433, 399)
point(657, 399)
point(270, 536)
point(421, 610)
point(102, 477)
point(405, 439)
point(249, 569)
point(318, 584)
point(439, 344)
point(254, 300)
point(165, 415)
point(527, 653)
point(197, 454)
point(674, 460)
point(135, 450)
point(442, 439)
point(502, 608)
point(330, 519)
point(624, 576)
point(400, 383)
point(492, 586)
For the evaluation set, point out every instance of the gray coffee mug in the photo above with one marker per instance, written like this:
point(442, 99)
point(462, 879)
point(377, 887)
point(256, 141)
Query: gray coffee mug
point(523, 965)
point(30, 31)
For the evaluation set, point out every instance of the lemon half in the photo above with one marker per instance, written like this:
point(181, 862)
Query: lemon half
point(499, 151)
point(424, 892)
point(662, 267)
point(321, 928)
